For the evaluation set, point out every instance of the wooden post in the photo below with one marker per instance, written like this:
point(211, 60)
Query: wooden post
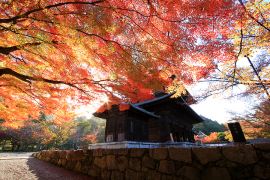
point(171, 136)
point(237, 133)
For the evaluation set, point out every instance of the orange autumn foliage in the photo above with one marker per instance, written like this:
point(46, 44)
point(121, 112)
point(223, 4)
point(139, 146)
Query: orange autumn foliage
point(58, 53)
point(257, 124)
point(211, 138)
point(90, 138)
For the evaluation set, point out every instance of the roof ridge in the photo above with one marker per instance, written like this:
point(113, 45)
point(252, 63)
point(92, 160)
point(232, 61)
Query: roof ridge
point(153, 100)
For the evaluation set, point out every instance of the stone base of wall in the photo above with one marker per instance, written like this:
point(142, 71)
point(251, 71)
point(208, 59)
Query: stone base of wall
point(228, 162)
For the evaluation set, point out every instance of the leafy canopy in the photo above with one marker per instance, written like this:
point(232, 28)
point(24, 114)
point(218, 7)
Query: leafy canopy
point(55, 52)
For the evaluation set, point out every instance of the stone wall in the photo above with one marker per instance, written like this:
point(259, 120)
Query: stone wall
point(230, 162)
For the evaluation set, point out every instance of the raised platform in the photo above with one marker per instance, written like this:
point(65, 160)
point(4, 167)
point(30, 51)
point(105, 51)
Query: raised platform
point(135, 144)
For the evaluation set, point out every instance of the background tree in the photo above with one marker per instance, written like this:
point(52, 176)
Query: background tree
point(46, 133)
point(257, 124)
point(251, 39)
point(89, 131)
point(208, 126)
point(41, 133)
point(54, 51)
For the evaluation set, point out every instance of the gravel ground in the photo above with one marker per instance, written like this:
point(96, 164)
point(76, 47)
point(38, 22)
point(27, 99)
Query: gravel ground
point(21, 166)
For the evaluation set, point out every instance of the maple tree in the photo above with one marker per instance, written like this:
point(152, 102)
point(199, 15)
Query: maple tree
point(257, 123)
point(88, 131)
point(46, 133)
point(251, 65)
point(37, 134)
point(55, 52)
point(215, 137)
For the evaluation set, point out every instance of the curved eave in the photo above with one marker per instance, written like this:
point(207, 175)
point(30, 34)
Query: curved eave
point(153, 101)
point(196, 117)
point(144, 111)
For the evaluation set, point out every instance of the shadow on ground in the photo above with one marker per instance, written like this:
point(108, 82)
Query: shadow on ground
point(43, 171)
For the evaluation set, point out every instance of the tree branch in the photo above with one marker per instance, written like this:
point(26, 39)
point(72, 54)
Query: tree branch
point(28, 79)
point(252, 17)
point(26, 14)
point(258, 76)
point(240, 50)
point(8, 50)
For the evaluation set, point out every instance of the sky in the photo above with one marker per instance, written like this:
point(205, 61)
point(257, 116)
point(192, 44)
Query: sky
point(224, 106)
point(220, 108)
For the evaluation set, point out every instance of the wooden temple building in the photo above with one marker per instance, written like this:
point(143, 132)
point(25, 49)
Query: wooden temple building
point(162, 119)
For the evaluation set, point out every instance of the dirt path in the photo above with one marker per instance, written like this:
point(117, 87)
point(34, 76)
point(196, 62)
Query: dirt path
point(21, 166)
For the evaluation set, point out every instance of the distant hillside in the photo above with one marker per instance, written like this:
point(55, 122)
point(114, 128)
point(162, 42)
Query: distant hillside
point(208, 126)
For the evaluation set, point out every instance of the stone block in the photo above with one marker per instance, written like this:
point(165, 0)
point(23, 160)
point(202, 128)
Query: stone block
point(241, 154)
point(97, 152)
point(69, 155)
point(78, 155)
point(134, 164)
point(100, 162)
point(108, 151)
point(206, 155)
point(137, 152)
point(106, 175)
point(78, 166)
point(187, 172)
point(88, 151)
point(148, 162)
point(133, 175)
point(122, 151)
point(166, 177)
point(63, 162)
point(180, 154)
point(50, 153)
point(152, 174)
point(59, 162)
point(63, 154)
point(111, 162)
point(166, 166)
point(85, 169)
point(122, 163)
point(70, 165)
point(47, 158)
point(94, 171)
point(262, 172)
point(158, 153)
point(215, 173)
point(226, 163)
point(241, 172)
point(266, 155)
point(54, 161)
point(262, 146)
point(54, 154)
point(116, 175)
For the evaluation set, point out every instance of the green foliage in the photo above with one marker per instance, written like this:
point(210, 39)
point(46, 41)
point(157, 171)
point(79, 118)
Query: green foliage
point(208, 126)
point(2, 121)
point(93, 127)
point(37, 134)
point(222, 136)
point(46, 133)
